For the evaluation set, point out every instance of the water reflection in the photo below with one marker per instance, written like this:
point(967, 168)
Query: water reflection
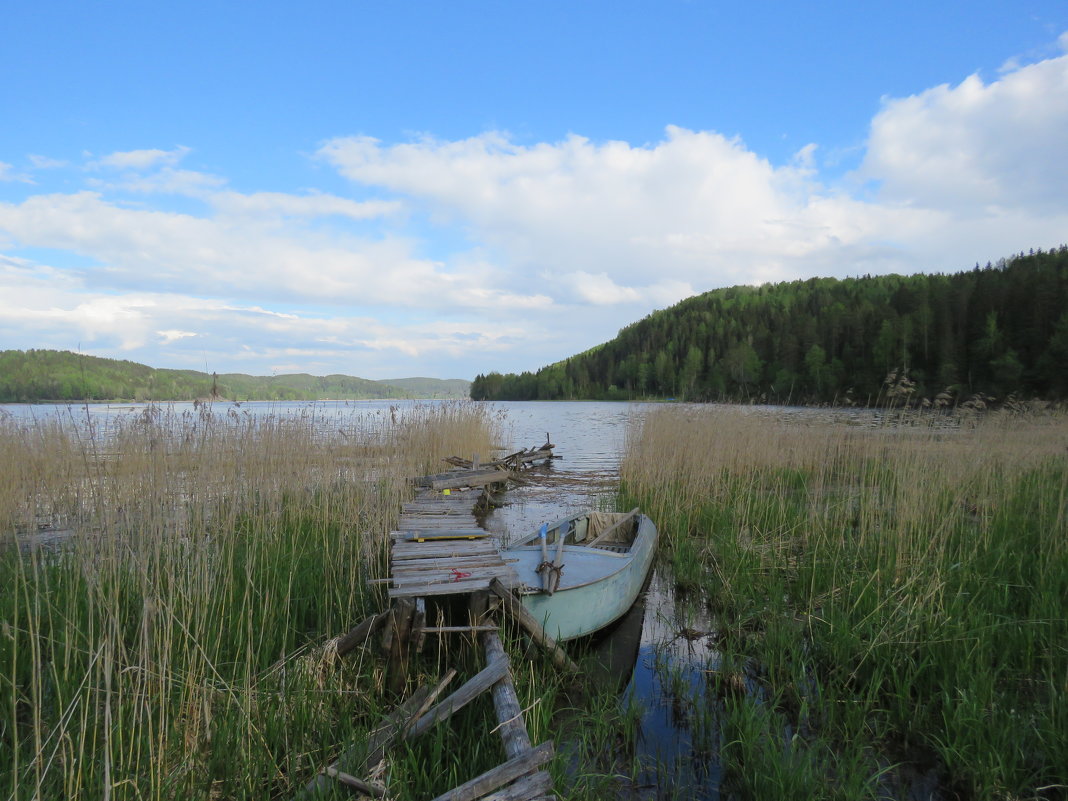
point(662, 652)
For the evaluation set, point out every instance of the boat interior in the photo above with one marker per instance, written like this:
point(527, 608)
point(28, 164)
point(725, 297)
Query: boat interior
point(609, 531)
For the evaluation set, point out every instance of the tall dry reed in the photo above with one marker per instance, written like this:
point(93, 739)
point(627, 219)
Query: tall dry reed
point(163, 583)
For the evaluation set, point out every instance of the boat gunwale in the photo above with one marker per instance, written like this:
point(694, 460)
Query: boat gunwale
point(627, 559)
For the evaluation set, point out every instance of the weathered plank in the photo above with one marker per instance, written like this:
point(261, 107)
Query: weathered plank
point(500, 775)
point(432, 579)
point(464, 478)
point(510, 723)
point(534, 787)
point(367, 788)
point(357, 635)
point(401, 622)
point(453, 588)
point(419, 625)
point(472, 688)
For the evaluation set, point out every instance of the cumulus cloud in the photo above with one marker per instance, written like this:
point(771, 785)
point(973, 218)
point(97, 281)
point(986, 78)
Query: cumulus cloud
point(308, 205)
point(154, 250)
point(696, 209)
point(998, 145)
point(43, 306)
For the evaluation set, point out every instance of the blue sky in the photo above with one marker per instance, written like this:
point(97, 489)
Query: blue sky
point(441, 189)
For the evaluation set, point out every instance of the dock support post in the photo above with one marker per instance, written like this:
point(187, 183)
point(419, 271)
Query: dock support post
point(400, 625)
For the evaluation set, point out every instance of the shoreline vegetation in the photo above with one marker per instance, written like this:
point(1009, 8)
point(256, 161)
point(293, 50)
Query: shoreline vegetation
point(937, 340)
point(51, 376)
point(888, 603)
point(172, 645)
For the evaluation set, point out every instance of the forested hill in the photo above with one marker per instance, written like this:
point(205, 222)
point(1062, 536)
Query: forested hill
point(50, 375)
point(994, 331)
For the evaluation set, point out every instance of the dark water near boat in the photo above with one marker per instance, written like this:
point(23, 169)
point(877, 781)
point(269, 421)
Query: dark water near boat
point(659, 667)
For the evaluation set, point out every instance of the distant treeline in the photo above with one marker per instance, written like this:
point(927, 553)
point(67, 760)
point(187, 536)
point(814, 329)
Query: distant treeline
point(50, 375)
point(992, 331)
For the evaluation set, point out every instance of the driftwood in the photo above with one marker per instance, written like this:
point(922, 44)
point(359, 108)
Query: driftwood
point(428, 702)
point(500, 775)
point(536, 631)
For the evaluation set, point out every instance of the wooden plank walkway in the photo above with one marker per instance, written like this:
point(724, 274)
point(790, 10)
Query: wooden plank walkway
point(439, 548)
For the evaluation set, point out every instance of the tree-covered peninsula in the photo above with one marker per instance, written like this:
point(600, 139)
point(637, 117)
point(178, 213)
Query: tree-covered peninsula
point(51, 375)
point(991, 331)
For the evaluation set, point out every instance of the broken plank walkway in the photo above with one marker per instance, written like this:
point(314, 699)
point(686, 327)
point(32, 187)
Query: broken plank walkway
point(439, 548)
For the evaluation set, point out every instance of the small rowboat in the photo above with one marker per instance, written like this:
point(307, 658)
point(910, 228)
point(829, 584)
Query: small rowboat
point(583, 573)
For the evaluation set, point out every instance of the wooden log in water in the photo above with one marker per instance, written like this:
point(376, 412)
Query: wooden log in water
point(533, 627)
point(500, 775)
point(510, 723)
point(463, 478)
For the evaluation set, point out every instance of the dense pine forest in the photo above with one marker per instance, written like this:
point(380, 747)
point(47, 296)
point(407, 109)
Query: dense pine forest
point(990, 332)
point(50, 375)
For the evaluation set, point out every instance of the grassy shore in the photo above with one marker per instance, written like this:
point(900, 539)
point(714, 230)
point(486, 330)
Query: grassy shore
point(890, 601)
point(166, 587)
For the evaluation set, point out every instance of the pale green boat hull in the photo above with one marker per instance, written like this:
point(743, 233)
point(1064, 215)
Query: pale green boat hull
point(597, 586)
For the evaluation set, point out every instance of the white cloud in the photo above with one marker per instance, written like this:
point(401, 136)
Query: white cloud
point(697, 210)
point(268, 204)
point(173, 335)
point(45, 163)
point(154, 250)
point(142, 159)
point(601, 290)
point(8, 173)
point(977, 146)
point(166, 181)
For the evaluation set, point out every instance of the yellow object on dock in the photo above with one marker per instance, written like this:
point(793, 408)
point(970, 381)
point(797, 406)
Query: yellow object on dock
point(423, 536)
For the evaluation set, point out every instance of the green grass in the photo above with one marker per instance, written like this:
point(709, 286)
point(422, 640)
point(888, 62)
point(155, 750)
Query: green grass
point(902, 591)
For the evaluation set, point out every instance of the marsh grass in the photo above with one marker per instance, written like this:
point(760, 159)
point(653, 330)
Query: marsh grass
point(169, 644)
point(902, 589)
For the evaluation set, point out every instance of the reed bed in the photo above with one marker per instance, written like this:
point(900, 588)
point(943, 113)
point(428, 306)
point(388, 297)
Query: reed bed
point(890, 602)
point(166, 586)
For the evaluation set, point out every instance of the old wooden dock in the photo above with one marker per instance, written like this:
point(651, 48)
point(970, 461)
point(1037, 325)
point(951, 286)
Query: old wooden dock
point(439, 552)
